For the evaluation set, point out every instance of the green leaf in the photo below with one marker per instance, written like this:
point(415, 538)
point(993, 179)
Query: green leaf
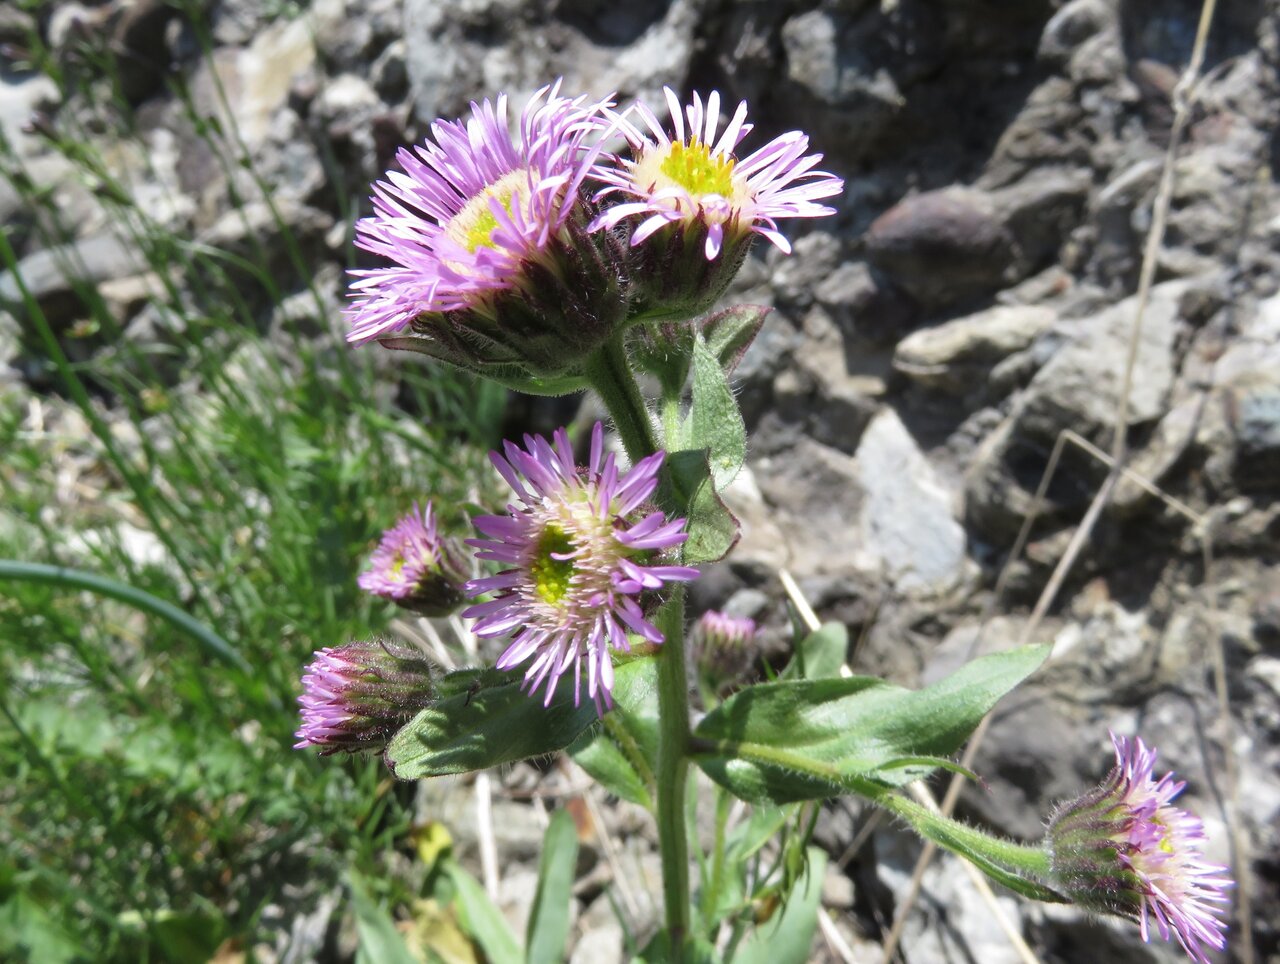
point(29, 933)
point(481, 920)
point(622, 752)
point(549, 918)
point(819, 655)
point(787, 938)
point(810, 739)
point(713, 530)
point(714, 422)
point(597, 752)
point(486, 722)
point(729, 333)
point(380, 942)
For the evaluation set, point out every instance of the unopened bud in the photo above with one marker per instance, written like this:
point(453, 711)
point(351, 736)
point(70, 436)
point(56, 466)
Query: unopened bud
point(356, 697)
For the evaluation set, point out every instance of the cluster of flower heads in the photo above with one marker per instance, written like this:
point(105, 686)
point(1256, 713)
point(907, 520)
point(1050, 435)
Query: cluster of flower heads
point(480, 224)
point(1123, 848)
point(583, 550)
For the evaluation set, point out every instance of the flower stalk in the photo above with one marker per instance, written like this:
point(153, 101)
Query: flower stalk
point(610, 375)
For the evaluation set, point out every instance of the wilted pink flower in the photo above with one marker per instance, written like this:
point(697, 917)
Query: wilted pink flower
point(1124, 849)
point(416, 567)
point(582, 545)
point(696, 180)
point(355, 697)
point(468, 211)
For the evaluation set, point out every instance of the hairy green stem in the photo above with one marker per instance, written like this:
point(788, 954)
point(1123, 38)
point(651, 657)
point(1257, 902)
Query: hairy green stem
point(610, 375)
point(1032, 861)
point(673, 768)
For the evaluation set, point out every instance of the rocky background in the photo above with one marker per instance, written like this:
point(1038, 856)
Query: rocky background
point(973, 300)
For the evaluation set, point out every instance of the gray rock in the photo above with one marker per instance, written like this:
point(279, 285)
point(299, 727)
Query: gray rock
point(52, 275)
point(455, 50)
point(1080, 385)
point(19, 99)
point(814, 497)
point(836, 83)
point(943, 246)
point(954, 357)
point(905, 521)
point(599, 945)
point(262, 234)
point(1040, 214)
point(951, 922)
point(1073, 24)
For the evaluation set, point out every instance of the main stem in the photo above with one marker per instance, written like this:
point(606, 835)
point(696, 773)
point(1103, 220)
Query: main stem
point(610, 375)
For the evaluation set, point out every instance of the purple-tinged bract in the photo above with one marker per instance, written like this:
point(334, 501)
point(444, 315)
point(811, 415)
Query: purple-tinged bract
point(1123, 848)
point(581, 549)
point(485, 232)
point(690, 196)
point(416, 567)
point(355, 697)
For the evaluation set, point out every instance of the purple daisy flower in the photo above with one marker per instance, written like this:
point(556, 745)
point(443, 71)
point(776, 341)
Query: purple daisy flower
point(469, 209)
point(696, 179)
point(417, 568)
point(356, 697)
point(1125, 849)
point(582, 545)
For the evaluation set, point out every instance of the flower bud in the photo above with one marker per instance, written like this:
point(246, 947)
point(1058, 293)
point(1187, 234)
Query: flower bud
point(1123, 849)
point(356, 697)
point(721, 646)
point(417, 568)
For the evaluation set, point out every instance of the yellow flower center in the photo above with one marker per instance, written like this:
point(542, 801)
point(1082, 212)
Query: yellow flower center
point(551, 577)
point(473, 226)
point(697, 170)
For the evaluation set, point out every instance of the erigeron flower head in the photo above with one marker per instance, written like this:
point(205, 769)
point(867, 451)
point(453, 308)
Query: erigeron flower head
point(416, 567)
point(718, 630)
point(582, 548)
point(1123, 848)
point(721, 644)
point(689, 198)
point(492, 268)
point(355, 697)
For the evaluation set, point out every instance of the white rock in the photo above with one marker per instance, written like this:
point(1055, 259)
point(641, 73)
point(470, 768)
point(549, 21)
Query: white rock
point(906, 521)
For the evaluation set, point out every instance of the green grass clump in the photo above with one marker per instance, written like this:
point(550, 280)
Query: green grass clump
point(238, 462)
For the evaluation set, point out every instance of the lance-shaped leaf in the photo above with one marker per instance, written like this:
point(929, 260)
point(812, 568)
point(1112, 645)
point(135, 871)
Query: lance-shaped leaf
point(713, 530)
point(487, 722)
point(810, 739)
point(820, 654)
point(787, 936)
point(622, 752)
point(714, 422)
point(548, 928)
point(729, 333)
